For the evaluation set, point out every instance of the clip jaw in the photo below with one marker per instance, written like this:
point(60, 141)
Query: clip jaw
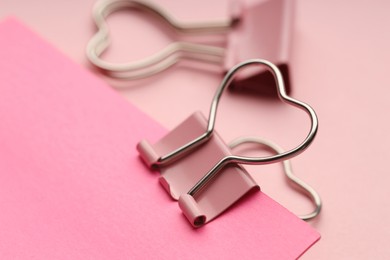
point(201, 172)
point(179, 177)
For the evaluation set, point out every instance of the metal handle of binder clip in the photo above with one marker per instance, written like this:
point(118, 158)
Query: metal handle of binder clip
point(161, 60)
point(243, 159)
point(310, 191)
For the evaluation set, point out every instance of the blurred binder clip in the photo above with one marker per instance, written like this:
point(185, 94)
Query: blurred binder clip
point(258, 28)
point(199, 169)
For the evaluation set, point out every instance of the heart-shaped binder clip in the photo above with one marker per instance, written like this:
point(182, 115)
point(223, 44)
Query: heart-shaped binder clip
point(261, 28)
point(198, 168)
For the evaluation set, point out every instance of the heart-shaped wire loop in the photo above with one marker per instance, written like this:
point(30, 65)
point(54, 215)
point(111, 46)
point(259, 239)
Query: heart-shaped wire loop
point(213, 112)
point(164, 58)
point(310, 192)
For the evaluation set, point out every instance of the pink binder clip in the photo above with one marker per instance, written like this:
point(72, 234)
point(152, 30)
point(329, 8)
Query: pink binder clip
point(198, 168)
point(255, 29)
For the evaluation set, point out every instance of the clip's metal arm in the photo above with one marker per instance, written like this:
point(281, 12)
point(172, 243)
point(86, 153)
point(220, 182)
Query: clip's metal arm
point(241, 159)
point(313, 195)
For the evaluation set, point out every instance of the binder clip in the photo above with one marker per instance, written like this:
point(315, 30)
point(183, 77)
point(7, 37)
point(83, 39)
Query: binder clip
point(199, 169)
point(260, 28)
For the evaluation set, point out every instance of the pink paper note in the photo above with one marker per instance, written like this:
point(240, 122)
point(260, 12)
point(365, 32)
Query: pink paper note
point(72, 185)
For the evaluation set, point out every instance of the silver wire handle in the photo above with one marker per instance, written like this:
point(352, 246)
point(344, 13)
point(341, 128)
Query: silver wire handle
point(242, 159)
point(313, 195)
point(161, 60)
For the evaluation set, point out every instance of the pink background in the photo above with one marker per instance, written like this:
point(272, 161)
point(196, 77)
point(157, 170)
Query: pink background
point(340, 57)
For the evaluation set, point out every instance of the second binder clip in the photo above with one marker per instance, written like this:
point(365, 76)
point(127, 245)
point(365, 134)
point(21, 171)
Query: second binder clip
point(260, 28)
point(199, 169)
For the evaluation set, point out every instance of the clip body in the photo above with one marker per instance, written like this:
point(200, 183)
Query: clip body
point(180, 176)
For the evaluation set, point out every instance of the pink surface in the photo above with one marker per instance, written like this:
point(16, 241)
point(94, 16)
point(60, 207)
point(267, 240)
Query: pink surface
point(340, 58)
point(72, 185)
